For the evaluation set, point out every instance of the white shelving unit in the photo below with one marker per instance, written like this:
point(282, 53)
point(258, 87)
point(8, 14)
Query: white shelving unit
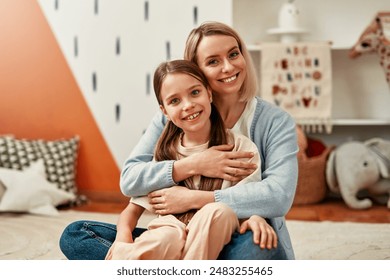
point(360, 122)
point(361, 96)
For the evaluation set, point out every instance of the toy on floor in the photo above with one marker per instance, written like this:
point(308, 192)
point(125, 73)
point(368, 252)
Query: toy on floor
point(356, 167)
point(376, 38)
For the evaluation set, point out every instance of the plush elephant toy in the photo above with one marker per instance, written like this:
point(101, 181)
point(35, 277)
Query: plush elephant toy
point(355, 167)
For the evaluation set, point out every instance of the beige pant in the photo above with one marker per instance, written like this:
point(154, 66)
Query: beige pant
point(169, 239)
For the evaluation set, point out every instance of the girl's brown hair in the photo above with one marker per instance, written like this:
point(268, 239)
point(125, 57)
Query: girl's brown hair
point(166, 148)
point(249, 87)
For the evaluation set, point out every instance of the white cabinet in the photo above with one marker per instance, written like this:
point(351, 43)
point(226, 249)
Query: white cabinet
point(361, 96)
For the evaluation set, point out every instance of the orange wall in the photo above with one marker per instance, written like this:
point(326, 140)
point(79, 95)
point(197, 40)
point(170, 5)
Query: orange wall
point(39, 97)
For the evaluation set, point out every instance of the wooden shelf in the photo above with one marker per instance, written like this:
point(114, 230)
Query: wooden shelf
point(257, 48)
point(253, 48)
point(360, 122)
point(352, 122)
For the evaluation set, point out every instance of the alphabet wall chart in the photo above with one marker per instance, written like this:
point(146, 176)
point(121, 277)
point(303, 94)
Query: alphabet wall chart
point(297, 78)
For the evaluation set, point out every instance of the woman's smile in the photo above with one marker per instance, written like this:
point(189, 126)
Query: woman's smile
point(229, 79)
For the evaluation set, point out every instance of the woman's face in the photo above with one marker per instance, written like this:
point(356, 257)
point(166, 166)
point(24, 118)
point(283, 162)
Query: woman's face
point(221, 61)
point(186, 102)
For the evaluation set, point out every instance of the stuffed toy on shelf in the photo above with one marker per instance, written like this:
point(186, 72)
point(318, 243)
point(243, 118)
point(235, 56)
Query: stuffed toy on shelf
point(376, 39)
point(289, 28)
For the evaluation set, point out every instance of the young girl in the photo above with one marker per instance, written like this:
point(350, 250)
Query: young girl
point(193, 126)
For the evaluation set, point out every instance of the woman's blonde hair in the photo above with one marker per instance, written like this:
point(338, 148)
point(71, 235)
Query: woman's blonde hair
point(250, 86)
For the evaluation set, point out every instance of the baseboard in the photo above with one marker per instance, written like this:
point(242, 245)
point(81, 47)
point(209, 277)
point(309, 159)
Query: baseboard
point(105, 196)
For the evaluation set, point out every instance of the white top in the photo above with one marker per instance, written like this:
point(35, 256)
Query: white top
point(244, 123)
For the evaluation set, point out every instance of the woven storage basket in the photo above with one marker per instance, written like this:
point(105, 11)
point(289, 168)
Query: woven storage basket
point(311, 187)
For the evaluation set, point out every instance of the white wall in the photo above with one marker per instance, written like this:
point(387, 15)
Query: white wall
point(113, 47)
point(339, 21)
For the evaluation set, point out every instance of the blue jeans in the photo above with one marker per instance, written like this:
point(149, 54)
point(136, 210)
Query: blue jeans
point(90, 240)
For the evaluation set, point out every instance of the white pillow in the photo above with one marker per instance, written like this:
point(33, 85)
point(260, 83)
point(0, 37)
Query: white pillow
point(29, 191)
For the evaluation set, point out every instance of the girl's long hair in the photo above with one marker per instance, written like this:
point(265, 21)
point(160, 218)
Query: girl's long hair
point(166, 148)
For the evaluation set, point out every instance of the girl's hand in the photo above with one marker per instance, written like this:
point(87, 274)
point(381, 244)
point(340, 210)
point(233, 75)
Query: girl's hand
point(178, 199)
point(171, 200)
point(221, 162)
point(263, 233)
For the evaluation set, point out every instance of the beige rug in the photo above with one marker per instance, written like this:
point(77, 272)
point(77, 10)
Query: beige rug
point(29, 237)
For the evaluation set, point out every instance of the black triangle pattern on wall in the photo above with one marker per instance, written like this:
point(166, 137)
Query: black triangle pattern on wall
point(148, 83)
point(96, 7)
point(94, 81)
point(168, 50)
point(118, 46)
point(146, 10)
point(76, 46)
point(195, 11)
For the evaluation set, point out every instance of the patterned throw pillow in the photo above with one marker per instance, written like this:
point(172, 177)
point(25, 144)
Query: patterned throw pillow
point(59, 156)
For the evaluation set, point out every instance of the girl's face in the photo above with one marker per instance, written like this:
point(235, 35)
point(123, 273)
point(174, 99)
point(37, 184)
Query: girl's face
point(221, 61)
point(186, 102)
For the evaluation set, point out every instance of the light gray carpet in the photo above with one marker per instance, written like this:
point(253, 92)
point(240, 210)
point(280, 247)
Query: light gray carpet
point(28, 237)
point(340, 240)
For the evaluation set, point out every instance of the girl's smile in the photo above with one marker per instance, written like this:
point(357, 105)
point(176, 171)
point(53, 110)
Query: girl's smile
point(192, 116)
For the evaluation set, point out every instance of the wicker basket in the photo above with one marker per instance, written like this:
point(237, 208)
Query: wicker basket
point(312, 187)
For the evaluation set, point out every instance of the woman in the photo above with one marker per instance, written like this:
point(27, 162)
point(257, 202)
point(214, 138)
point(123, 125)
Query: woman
point(221, 54)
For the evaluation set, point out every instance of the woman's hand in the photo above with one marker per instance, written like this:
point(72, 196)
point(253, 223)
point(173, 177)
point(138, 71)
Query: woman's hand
point(178, 199)
point(215, 162)
point(221, 162)
point(263, 233)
